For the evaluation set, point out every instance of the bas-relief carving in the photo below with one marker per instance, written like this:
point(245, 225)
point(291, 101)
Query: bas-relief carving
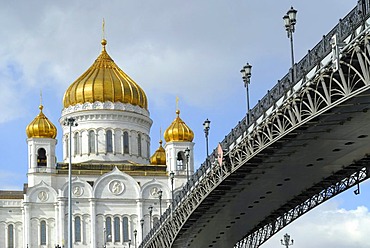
point(116, 187)
point(43, 196)
point(105, 105)
point(78, 191)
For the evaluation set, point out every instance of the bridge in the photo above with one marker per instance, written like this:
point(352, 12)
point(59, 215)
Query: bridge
point(307, 141)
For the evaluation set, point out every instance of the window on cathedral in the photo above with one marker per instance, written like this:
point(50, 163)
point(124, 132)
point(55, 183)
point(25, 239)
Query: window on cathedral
point(109, 141)
point(10, 236)
point(91, 141)
point(155, 220)
point(76, 143)
point(180, 160)
point(126, 148)
point(43, 232)
point(67, 145)
point(108, 229)
point(41, 157)
point(125, 229)
point(148, 149)
point(117, 230)
point(139, 145)
point(77, 229)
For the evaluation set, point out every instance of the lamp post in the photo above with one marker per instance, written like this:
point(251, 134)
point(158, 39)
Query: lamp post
point(160, 192)
point(246, 75)
point(150, 216)
point(187, 154)
point(71, 122)
point(172, 177)
point(290, 21)
point(142, 229)
point(135, 233)
point(287, 241)
point(206, 125)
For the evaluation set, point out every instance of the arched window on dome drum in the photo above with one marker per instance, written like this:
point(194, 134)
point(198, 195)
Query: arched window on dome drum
point(43, 233)
point(126, 146)
point(91, 141)
point(108, 229)
point(76, 144)
point(139, 145)
point(41, 157)
point(109, 141)
point(117, 231)
point(10, 236)
point(77, 229)
point(180, 160)
point(155, 220)
point(66, 142)
point(148, 149)
point(125, 229)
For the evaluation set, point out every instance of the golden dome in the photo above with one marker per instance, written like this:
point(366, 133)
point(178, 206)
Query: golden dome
point(178, 131)
point(104, 81)
point(41, 127)
point(159, 157)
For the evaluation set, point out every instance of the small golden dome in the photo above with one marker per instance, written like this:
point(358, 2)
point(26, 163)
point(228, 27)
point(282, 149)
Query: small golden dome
point(41, 127)
point(159, 157)
point(104, 81)
point(178, 131)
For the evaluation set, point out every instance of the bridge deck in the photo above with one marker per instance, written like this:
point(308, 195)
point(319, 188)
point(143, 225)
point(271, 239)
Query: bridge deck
point(279, 174)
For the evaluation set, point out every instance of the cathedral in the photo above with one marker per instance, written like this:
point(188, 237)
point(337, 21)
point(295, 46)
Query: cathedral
point(118, 188)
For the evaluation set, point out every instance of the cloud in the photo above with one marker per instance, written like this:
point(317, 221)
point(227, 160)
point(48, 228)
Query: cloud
point(328, 226)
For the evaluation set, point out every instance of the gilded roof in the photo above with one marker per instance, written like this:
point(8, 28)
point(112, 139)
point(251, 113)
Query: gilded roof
point(105, 81)
point(178, 131)
point(159, 157)
point(41, 127)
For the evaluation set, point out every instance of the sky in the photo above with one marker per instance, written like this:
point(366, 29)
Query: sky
point(193, 50)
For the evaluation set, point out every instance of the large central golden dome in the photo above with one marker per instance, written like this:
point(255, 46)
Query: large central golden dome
point(105, 81)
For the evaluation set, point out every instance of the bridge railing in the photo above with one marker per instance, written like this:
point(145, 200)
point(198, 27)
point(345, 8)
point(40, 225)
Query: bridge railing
point(343, 29)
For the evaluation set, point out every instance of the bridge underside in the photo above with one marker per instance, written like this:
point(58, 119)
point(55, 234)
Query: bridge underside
point(281, 176)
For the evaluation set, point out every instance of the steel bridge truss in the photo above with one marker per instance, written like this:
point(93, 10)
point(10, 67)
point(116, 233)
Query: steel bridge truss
point(344, 179)
point(345, 75)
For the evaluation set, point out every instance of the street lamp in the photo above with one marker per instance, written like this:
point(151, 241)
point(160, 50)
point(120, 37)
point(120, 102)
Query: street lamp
point(135, 233)
point(160, 192)
point(206, 125)
point(172, 177)
point(142, 229)
point(150, 216)
point(290, 21)
point(71, 122)
point(246, 75)
point(287, 241)
point(187, 154)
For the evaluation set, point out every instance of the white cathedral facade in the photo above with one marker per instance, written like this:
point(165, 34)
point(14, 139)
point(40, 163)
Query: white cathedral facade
point(116, 183)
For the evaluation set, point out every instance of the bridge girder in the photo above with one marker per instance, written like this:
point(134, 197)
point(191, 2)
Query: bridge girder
point(304, 107)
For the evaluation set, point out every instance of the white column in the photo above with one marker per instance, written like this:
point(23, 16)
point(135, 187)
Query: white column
point(140, 216)
point(121, 229)
point(93, 223)
point(122, 143)
point(114, 142)
point(96, 142)
point(61, 222)
point(57, 220)
point(27, 227)
point(80, 142)
point(82, 223)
